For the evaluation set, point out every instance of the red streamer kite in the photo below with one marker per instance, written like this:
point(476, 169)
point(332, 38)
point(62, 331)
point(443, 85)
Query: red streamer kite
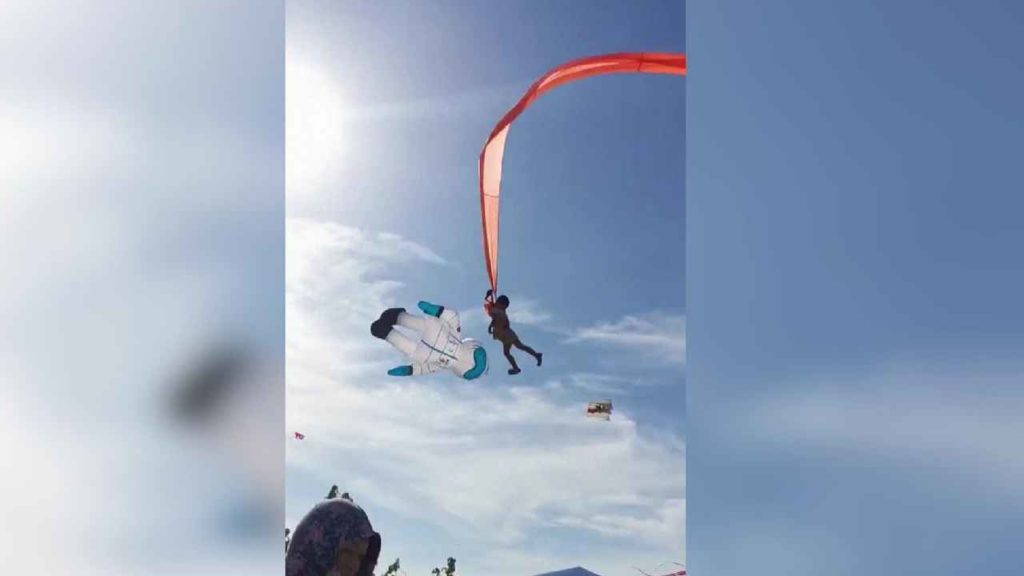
point(494, 149)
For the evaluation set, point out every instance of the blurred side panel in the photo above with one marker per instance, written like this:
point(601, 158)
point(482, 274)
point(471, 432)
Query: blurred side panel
point(855, 314)
point(141, 287)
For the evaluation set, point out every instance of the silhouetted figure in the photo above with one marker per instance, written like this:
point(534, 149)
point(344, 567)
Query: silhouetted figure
point(502, 332)
point(334, 538)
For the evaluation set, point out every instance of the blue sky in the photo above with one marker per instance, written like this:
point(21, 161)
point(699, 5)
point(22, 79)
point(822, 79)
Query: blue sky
point(854, 335)
point(388, 106)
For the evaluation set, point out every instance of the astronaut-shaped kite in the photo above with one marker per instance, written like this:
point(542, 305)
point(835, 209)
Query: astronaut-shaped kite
point(436, 345)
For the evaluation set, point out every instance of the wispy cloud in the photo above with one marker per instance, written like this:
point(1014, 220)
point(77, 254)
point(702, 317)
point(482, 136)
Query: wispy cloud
point(528, 311)
point(590, 382)
point(654, 334)
point(334, 288)
point(668, 521)
point(523, 312)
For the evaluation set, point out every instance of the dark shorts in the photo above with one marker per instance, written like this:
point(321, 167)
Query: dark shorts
point(506, 337)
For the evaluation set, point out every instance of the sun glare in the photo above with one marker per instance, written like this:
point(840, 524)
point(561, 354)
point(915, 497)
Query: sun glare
point(314, 127)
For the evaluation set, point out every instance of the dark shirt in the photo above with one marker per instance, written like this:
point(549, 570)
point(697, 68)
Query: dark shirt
point(499, 320)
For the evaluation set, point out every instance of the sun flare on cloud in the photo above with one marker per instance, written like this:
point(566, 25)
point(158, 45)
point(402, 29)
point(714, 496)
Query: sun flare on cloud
point(316, 136)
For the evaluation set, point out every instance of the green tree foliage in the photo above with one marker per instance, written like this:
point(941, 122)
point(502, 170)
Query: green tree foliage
point(393, 568)
point(448, 570)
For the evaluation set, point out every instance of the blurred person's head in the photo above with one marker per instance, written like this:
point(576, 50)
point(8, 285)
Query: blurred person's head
point(334, 539)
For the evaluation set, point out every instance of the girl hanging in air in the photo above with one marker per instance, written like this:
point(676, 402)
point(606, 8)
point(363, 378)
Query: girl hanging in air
point(502, 332)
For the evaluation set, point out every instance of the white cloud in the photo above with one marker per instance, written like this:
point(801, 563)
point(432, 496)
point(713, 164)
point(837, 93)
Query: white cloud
point(589, 382)
point(665, 526)
point(527, 311)
point(522, 312)
point(658, 335)
point(334, 291)
point(488, 465)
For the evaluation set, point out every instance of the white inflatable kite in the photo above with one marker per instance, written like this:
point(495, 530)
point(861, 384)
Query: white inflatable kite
point(433, 342)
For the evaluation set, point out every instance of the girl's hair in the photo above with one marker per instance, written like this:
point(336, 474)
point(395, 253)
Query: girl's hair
point(502, 301)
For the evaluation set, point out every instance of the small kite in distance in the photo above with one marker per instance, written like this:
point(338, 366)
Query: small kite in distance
point(299, 436)
point(601, 410)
